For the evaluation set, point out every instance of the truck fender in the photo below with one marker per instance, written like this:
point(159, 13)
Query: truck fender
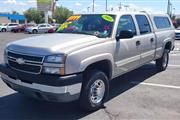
point(93, 59)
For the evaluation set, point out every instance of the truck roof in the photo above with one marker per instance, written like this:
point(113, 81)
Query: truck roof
point(127, 12)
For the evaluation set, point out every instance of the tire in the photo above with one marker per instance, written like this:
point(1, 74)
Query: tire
point(34, 31)
point(3, 30)
point(88, 99)
point(162, 63)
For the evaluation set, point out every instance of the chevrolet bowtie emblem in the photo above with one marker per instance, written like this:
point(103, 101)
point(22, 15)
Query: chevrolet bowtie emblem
point(20, 61)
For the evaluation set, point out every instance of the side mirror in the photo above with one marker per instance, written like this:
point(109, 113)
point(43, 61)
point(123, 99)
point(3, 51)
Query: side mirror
point(125, 34)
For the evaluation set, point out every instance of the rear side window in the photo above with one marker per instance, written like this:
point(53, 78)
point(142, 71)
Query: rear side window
point(162, 22)
point(143, 24)
point(42, 26)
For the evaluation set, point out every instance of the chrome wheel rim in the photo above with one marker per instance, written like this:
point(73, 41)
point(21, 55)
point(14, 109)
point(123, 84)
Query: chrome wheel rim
point(97, 91)
point(165, 60)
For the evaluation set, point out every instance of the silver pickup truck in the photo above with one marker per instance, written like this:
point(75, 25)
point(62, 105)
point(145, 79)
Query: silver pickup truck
point(87, 52)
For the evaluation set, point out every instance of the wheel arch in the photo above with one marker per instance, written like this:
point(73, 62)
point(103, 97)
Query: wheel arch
point(103, 63)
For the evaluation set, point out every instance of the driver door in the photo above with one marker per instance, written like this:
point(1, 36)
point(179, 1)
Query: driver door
point(127, 53)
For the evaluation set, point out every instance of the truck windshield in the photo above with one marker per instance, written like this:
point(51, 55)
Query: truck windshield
point(97, 25)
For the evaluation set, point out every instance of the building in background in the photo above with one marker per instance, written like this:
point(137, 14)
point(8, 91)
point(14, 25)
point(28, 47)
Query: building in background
point(12, 18)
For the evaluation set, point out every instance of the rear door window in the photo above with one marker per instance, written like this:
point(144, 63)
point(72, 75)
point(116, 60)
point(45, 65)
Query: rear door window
point(143, 23)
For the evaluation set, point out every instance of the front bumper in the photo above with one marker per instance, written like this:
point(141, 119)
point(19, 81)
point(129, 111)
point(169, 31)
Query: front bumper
point(46, 87)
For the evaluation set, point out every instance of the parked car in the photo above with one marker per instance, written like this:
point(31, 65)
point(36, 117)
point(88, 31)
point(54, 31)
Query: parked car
point(8, 27)
point(88, 52)
point(56, 26)
point(21, 28)
point(177, 31)
point(41, 28)
point(52, 30)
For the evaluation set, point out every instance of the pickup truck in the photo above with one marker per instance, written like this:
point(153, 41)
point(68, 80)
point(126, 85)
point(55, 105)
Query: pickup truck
point(88, 50)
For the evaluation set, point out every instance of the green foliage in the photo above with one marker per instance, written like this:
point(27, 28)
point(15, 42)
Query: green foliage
point(34, 15)
point(61, 14)
point(173, 17)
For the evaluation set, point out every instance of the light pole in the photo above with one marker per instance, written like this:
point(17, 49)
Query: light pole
point(88, 9)
point(93, 6)
point(174, 11)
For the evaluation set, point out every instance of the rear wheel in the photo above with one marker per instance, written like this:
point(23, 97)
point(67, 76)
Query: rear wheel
point(95, 90)
point(162, 63)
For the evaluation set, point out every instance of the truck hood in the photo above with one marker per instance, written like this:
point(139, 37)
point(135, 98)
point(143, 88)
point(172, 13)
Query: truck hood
point(54, 43)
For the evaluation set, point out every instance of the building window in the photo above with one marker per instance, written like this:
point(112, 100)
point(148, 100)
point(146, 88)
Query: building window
point(13, 21)
point(21, 21)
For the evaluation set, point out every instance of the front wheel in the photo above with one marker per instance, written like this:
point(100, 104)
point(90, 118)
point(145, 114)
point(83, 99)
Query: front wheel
point(162, 63)
point(4, 30)
point(34, 31)
point(95, 90)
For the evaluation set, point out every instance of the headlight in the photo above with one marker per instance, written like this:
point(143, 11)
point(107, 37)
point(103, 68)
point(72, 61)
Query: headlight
point(54, 64)
point(55, 59)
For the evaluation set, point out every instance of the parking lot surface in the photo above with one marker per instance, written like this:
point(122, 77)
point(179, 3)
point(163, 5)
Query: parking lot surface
point(141, 94)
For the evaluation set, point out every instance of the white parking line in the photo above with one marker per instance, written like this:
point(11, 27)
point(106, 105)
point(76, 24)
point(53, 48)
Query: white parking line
point(177, 44)
point(173, 54)
point(156, 85)
point(176, 66)
point(176, 49)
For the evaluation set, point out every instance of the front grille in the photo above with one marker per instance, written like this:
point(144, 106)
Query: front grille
point(28, 68)
point(25, 57)
point(29, 63)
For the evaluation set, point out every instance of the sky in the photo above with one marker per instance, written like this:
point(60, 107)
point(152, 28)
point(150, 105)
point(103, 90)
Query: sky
point(79, 6)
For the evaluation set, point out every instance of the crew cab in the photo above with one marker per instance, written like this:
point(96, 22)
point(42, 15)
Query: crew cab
point(89, 50)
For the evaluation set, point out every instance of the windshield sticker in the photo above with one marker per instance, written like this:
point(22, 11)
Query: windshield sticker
point(108, 18)
point(64, 25)
point(73, 18)
point(106, 27)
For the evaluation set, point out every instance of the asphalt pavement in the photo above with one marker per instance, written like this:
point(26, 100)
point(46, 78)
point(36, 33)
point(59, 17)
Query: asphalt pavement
point(141, 94)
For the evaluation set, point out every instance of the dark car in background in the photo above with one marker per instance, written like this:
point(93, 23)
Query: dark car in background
point(21, 28)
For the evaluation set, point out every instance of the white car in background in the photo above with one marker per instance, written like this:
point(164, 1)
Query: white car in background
point(177, 31)
point(41, 28)
point(8, 27)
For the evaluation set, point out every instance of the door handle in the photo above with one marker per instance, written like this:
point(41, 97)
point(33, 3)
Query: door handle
point(138, 43)
point(152, 40)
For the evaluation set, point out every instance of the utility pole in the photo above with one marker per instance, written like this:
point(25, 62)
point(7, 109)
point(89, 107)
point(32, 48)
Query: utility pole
point(93, 6)
point(168, 7)
point(106, 6)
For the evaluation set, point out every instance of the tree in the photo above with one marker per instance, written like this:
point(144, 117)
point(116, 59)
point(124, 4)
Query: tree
point(61, 14)
point(15, 12)
point(34, 15)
